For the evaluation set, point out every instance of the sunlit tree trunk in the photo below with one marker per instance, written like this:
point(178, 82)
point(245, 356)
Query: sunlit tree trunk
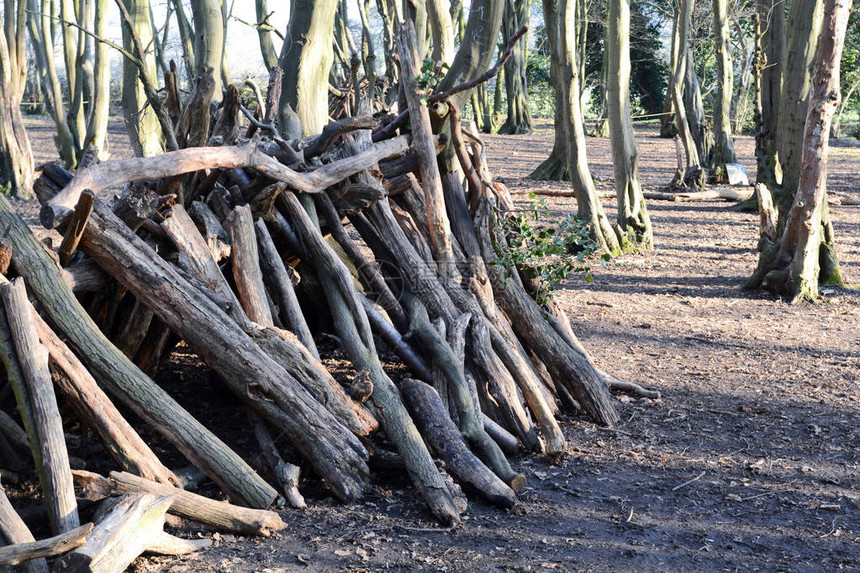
point(724, 147)
point(45, 42)
point(561, 15)
point(803, 27)
point(519, 118)
point(634, 225)
point(804, 255)
point(695, 108)
point(770, 61)
point(100, 106)
point(693, 167)
point(441, 30)
point(16, 158)
point(306, 60)
point(226, 8)
point(208, 41)
point(668, 126)
point(144, 130)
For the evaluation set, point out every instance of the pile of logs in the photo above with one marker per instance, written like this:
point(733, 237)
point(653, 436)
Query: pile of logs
point(230, 244)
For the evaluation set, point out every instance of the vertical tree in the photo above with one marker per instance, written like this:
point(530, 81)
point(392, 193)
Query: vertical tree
point(140, 120)
point(306, 59)
point(693, 169)
point(803, 256)
point(99, 107)
point(724, 146)
point(634, 225)
point(208, 41)
point(441, 30)
point(16, 158)
point(519, 119)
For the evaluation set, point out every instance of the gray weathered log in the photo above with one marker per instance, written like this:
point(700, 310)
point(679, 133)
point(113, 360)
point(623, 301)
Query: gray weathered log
point(15, 531)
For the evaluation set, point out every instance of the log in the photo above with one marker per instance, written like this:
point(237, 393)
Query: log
point(116, 173)
point(446, 440)
point(134, 525)
point(286, 474)
point(54, 472)
point(24, 553)
point(246, 266)
point(85, 276)
point(218, 514)
point(281, 286)
point(724, 194)
point(210, 227)
point(122, 378)
point(13, 432)
point(224, 346)
point(134, 328)
point(75, 227)
point(15, 531)
point(97, 411)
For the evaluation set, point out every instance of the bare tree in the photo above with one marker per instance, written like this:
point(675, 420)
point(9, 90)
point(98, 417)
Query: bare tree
point(16, 158)
point(519, 117)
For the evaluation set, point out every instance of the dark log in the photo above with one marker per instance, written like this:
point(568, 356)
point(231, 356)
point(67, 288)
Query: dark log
point(446, 440)
point(122, 378)
point(54, 471)
point(317, 144)
point(387, 332)
point(218, 514)
point(75, 228)
point(13, 432)
point(286, 474)
point(210, 227)
point(85, 276)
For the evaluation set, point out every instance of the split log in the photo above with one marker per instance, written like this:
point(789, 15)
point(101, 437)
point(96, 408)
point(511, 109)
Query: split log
point(336, 454)
point(446, 440)
point(123, 379)
point(134, 525)
point(54, 472)
point(15, 531)
point(218, 514)
point(116, 173)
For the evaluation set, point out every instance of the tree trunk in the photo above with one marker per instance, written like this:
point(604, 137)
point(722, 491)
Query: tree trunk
point(267, 46)
point(771, 60)
point(186, 38)
point(306, 59)
point(559, 18)
point(441, 30)
point(519, 117)
point(692, 168)
point(696, 114)
point(140, 119)
point(804, 256)
point(804, 26)
point(208, 41)
point(634, 225)
point(100, 106)
point(724, 146)
point(16, 157)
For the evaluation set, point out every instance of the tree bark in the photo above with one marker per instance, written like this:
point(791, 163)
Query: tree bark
point(15, 531)
point(141, 122)
point(208, 41)
point(99, 108)
point(634, 225)
point(16, 157)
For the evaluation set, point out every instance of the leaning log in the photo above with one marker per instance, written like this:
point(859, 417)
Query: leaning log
point(25, 553)
point(15, 531)
point(54, 472)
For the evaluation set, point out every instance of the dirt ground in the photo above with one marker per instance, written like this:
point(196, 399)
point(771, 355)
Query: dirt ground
point(748, 462)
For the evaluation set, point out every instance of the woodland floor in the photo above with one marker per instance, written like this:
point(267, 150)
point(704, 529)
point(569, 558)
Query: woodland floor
point(749, 462)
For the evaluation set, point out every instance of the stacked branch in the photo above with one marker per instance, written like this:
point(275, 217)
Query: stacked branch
point(247, 249)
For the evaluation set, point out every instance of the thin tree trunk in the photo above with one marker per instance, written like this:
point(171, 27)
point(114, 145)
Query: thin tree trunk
point(208, 41)
point(634, 225)
point(724, 146)
point(16, 157)
point(186, 35)
point(100, 106)
point(692, 166)
point(519, 117)
point(267, 46)
point(140, 119)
